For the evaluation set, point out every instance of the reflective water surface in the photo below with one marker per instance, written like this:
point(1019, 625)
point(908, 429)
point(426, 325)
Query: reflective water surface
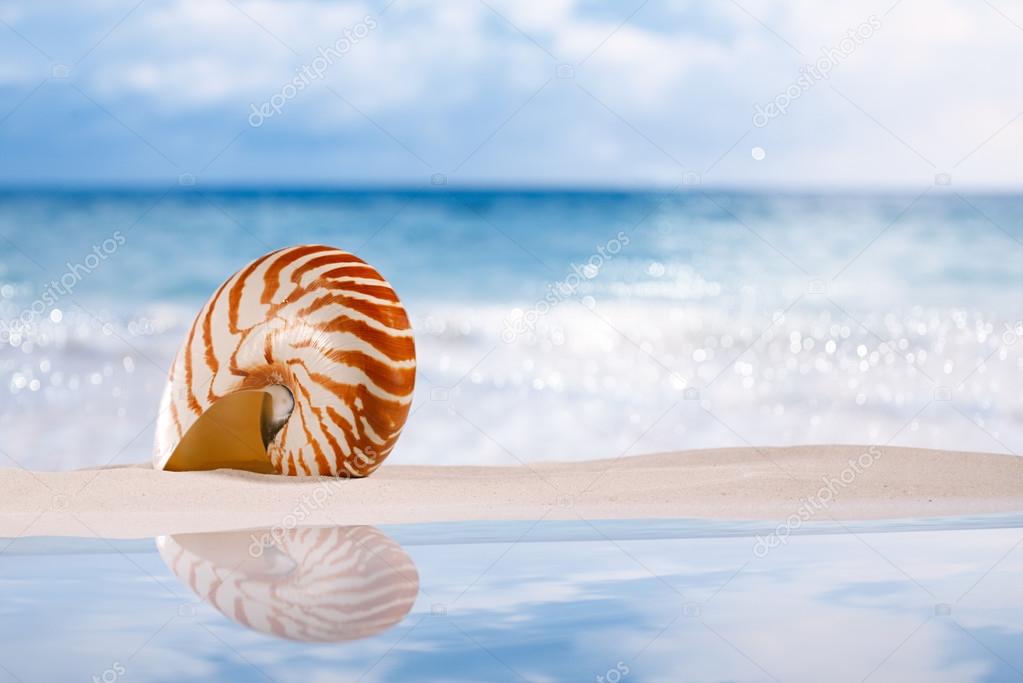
point(936, 600)
point(316, 584)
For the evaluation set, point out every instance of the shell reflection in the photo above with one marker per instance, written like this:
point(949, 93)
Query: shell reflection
point(309, 584)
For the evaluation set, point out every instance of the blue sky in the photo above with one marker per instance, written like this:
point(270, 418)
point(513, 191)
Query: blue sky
point(532, 92)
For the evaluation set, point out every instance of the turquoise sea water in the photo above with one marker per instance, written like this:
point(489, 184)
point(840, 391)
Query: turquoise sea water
point(549, 325)
point(917, 600)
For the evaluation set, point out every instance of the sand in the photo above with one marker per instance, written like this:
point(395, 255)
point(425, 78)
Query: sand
point(821, 483)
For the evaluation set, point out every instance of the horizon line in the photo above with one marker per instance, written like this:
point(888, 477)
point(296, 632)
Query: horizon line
point(186, 188)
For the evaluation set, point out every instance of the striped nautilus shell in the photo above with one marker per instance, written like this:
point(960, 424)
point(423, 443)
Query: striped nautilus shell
point(301, 363)
point(324, 584)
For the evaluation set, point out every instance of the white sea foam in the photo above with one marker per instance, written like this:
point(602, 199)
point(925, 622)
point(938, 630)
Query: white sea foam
point(587, 381)
point(900, 322)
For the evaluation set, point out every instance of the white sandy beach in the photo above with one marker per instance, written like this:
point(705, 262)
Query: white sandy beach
point(733, 483)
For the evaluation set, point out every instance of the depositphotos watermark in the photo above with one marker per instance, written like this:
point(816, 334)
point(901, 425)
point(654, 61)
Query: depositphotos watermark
point(1012, 333)
point(65, 285)
point(821, 500)
point(302, 511)
point(811, 74)
point(520, 322)
point(111, 675)
point(313, 71)
point(615, 674)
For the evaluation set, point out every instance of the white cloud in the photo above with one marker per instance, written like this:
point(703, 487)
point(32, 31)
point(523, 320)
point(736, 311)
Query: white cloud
point(941, 76)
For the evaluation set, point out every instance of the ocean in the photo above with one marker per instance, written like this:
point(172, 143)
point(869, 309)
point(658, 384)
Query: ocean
point(550, 325)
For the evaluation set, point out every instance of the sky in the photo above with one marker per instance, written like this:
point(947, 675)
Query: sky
point(499, 92)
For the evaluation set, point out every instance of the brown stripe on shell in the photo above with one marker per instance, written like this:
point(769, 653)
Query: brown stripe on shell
point(394, 380)
point(193, 402)
point(207, 338)
point(272, 275)
point(235, 295)
point(359, 270)
point(388, 316)
point(335, 258)
point(394, 347)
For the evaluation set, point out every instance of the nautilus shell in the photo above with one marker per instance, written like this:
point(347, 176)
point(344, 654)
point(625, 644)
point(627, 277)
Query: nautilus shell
point(312, 584)
point(302, 363)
